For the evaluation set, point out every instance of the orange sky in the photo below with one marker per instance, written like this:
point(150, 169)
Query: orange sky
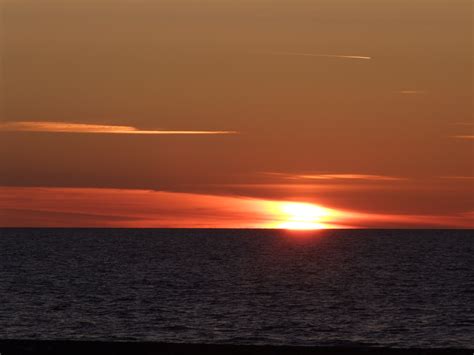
point(235, 108)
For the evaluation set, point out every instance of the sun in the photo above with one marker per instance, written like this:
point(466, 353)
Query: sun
point(302, 216)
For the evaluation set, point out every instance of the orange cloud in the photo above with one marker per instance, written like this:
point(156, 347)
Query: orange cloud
point(412, 92)
point(65, 127)
point(463, 137)
point(101, 207)
point(466, 178)
point(366, 220)
point(365, 177)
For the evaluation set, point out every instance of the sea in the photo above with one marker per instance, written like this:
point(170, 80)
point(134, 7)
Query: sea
point(368, 288)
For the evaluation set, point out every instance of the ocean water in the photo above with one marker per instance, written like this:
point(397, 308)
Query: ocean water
point(396, 288)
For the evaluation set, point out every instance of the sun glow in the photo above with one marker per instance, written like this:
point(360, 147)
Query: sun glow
point(303, 216)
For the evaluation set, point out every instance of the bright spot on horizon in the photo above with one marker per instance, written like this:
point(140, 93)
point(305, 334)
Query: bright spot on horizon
point(303, 216)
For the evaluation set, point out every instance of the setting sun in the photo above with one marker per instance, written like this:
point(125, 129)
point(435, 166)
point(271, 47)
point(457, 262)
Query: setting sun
point(303, 216)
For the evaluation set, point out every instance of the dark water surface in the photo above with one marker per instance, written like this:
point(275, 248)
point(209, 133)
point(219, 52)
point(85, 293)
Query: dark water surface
point(354, 287)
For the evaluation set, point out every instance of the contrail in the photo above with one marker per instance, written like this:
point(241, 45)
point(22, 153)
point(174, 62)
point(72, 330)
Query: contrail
point(320, 55)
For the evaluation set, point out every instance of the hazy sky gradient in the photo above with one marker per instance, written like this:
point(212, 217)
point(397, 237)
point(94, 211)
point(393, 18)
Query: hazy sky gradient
point(287, 75)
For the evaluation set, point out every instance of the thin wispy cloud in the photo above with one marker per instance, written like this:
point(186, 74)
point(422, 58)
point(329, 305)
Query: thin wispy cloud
point(412, 92)
point(463, 137)
point(65, 127)
point(335, 177)
point(466, 178)
point(296, 54)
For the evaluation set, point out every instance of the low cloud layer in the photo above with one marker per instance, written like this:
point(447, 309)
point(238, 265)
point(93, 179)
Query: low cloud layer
point(96, 207)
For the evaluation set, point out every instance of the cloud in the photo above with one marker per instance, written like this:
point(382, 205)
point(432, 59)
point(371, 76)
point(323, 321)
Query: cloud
point(467, 178)
point(464, 123)
point(128, 208)
point(65, 127)
point(92, 207)
point(368, 220)
point(412, 92)
point(320, 55)
point(463, 137)
point(335, 177)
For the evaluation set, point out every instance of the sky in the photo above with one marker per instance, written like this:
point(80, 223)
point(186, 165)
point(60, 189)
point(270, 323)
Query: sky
point(236, 113)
